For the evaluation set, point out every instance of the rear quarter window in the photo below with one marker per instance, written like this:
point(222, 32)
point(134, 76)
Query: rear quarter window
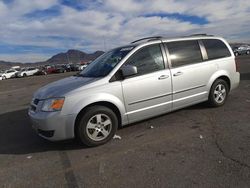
point(216, 48)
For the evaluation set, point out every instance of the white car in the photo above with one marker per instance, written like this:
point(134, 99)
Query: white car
point(28, 72)
point(8, 74)
point(82, 67)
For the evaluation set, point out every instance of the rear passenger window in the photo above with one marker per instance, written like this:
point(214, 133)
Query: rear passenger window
point(216, 48)
point(184, 52)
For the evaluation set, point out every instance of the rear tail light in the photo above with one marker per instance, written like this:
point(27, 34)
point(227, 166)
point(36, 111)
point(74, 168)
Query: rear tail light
point(237, 65)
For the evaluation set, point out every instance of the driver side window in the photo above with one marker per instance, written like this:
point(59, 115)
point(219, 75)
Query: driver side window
point(147, 60)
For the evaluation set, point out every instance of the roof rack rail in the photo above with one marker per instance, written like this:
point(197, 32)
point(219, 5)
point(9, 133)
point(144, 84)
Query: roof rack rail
point(199, 34)
point(155, 37)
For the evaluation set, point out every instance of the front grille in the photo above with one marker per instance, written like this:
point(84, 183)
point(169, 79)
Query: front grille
point(33, 108)
point(36, 101)
point(33, 105)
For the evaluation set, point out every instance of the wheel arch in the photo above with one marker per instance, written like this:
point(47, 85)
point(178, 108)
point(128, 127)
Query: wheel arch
point(220, 75)
point(226, 78)
point(107, 104)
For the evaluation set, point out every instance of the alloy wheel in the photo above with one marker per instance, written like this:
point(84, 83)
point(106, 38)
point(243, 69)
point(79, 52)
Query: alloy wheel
point(99, 127)
point(220, 93)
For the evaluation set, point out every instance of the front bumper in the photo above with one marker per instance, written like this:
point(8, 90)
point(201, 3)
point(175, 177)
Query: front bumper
point(53, 125)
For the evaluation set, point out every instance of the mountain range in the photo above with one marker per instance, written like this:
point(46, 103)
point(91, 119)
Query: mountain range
point(71, 56)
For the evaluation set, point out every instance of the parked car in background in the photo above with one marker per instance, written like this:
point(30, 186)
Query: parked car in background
point(146, 78)
point(74, 67)
point(49, 69)
point(59, 69)
point(240, 50)
point(8, 74)
point(18, 72)
point(83, 66)
point(17, 68)
point(41, 71)
point(28, 72)
point(66, 67)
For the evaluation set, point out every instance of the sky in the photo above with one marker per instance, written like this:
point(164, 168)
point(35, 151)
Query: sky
point(34, 30)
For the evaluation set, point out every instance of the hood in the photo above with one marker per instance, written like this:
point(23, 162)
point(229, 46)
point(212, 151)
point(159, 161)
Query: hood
point(62, 87)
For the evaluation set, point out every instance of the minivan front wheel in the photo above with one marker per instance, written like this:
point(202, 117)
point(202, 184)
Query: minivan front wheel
point(97, 126)
point(218, 93)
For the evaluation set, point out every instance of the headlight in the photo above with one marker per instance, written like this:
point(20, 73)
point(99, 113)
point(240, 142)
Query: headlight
point(54, 104)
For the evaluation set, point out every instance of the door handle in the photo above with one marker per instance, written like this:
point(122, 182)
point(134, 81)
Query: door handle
point(178, 73)
point(163, 77)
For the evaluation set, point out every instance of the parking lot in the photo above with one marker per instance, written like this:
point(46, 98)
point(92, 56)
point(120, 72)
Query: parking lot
point(193, 147)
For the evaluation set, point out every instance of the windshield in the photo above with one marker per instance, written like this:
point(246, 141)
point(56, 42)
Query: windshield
point(104, 64)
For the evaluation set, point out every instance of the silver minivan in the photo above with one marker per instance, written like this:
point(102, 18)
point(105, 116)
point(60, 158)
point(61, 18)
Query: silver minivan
point(146, 78)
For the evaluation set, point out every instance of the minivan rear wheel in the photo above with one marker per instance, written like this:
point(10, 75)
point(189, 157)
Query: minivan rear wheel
point(97, 126)
point(218, 93)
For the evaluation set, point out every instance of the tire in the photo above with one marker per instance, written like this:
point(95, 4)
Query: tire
point(24, 75)
point(248, 52)
point(218, 93)
point(4, 77)
point(91, 129)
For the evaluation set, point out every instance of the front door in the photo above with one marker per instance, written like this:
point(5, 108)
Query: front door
point(149, 93)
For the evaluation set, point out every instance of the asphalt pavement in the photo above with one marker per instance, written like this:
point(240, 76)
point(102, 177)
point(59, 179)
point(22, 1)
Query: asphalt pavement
point(193, 147)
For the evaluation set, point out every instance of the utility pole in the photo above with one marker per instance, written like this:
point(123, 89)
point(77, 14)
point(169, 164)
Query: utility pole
point(67, 57)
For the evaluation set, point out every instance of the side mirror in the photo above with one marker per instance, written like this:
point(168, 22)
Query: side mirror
point(128, 70)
